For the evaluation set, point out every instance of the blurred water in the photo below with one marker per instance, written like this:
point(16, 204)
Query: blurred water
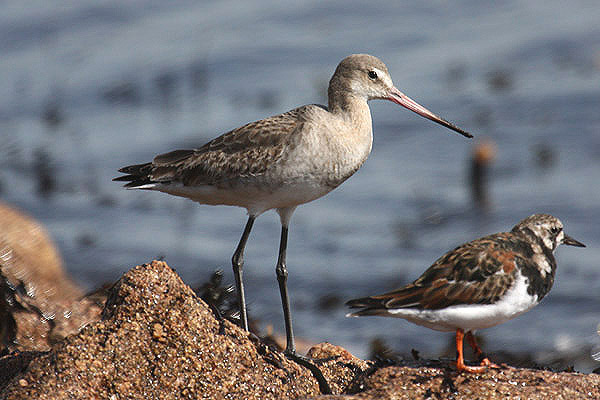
point(91, 86)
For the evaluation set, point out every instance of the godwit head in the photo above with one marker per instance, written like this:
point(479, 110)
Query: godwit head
point(367, 77)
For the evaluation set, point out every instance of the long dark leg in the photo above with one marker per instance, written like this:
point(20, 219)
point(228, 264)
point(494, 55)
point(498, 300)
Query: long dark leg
point(238, 262)
point(282, 275)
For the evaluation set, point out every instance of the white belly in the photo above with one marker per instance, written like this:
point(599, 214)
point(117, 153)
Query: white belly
point(256, 198)
point(471, 317)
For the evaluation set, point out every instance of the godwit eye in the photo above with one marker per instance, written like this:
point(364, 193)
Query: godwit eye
point(372, 75)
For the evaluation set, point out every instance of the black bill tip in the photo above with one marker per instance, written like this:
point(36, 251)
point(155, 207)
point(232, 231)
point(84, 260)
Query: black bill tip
point(569, 241)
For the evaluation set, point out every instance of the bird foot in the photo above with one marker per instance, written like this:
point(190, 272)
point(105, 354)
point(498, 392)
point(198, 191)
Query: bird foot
point(484, 365)
point(316, 361)
point(471, 369)
point(311, 365)
point(487, 363)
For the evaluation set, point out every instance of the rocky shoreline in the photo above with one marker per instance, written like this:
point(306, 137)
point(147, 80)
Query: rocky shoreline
point(155, 338)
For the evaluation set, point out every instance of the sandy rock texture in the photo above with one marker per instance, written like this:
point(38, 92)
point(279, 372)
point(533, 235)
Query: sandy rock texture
point(442, 381)
point(157, 340)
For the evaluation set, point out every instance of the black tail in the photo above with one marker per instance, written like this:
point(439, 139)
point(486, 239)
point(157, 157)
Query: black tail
point(369, 305)
point(137, 175)
point(364, 302)
point(408, 296)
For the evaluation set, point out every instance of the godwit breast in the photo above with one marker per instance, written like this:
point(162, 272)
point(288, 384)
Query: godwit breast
point(282, 161)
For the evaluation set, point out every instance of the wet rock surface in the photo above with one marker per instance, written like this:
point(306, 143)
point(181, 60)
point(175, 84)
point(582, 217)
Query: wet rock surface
point(39, 304)
point(157, 339)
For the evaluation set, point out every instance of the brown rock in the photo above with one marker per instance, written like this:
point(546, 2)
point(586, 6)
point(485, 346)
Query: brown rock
point(14, 364)
point(442, 381)
point(41, 305)
point(341, 369)
point(158, 340)
point(28, 254)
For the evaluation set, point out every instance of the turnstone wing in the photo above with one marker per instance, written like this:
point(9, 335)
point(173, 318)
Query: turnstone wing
point(479, 284)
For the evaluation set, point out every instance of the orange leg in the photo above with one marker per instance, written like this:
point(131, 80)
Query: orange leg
point(460, 360)
point(473, 343)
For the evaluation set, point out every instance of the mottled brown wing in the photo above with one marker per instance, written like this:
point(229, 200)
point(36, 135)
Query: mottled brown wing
point(477, 272)
point(245, 151)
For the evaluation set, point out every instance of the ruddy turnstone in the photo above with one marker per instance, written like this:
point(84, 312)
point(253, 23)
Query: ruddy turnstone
point(478, 285)
point(282, 161)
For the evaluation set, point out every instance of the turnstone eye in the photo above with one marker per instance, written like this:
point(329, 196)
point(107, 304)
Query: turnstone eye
point(372, 75)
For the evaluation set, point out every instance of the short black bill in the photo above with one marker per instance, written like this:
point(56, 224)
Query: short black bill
point(568, 240)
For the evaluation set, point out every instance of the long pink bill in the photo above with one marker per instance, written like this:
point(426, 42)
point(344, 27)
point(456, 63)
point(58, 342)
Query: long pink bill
point(400, 98)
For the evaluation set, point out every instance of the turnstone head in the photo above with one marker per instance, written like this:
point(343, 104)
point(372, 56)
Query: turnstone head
point(479, 284)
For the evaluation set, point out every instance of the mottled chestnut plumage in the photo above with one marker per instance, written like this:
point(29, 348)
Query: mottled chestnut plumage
point(282, 161)
point(481, 283)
